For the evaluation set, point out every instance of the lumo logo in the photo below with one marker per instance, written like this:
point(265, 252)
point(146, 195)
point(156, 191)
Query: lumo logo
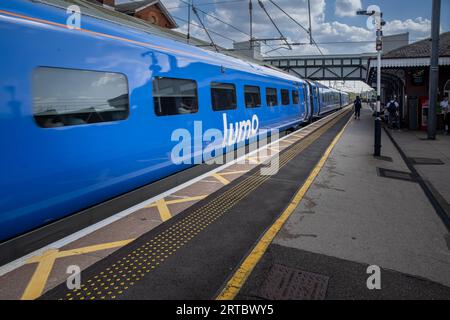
point(74, 19)
point(240, 131)
point(215, 146)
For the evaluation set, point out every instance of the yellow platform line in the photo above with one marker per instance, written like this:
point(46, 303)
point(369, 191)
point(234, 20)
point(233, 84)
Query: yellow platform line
point(234, 285)
point(45, 262)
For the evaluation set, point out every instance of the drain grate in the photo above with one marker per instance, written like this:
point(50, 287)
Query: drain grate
point(428, 161)
point(284, 283)
point(393, 174)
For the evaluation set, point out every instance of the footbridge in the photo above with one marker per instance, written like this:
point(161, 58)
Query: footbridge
point(325, 67)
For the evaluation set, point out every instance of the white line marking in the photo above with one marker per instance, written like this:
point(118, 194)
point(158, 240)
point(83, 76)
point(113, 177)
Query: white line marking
point(103, 223)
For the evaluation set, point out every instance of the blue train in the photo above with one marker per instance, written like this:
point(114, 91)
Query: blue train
point(88, 114)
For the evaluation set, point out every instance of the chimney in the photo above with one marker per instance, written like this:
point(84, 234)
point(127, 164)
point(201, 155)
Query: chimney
point(109, 3)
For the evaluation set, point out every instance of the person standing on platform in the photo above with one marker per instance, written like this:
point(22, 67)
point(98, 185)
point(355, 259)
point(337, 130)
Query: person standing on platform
point(357, 105)
point(446, 112)
point(392, 108)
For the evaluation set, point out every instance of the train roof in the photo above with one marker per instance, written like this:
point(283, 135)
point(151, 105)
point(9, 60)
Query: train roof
point(138, 31)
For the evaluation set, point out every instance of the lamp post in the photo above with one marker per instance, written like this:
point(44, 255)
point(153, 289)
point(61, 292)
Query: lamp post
point(379, 46)
point(434, 70)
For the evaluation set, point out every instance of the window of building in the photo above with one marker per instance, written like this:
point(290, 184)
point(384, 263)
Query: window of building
point(271, 97)
point(285, 97)
point(223, 96)
point(252, 96)
point(174, 96)
point(68, 97)
point(295, 98)
point(447, 89)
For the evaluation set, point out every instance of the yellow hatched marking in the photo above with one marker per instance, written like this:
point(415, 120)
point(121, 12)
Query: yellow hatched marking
point(238, 279)
point(39, 279)
point(257, 159)
point(163, 209)
point(233, 172)
point(129, 269)
point(187, 199)
point(274, 149)
point(46, 261)
point(290, 140)
point(220, 178)
point(253, 160)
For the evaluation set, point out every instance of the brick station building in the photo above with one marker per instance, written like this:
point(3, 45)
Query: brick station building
point(405, 74)
point(152, 11)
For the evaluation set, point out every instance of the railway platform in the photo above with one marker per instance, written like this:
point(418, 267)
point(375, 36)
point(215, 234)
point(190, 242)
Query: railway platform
point(309, 230)
point(362, 212)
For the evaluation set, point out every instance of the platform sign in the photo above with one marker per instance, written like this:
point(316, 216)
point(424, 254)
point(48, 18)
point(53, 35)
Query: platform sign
point(379, 46)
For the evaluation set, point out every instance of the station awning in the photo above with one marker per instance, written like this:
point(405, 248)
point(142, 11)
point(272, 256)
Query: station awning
point(408, 62)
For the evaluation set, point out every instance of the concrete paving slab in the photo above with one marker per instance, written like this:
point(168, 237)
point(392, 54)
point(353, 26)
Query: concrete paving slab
point(413, 145)
point(347, 280)
point(353, 214)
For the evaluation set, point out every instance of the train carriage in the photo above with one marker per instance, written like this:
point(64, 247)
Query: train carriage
point(89, 114)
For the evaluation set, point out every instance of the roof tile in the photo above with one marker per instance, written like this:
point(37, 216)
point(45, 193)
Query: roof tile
point(421, 49)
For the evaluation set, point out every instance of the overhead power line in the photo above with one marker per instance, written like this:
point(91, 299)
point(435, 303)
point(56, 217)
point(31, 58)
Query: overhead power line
point(216, 18)
point(312, 41)
point(202, 4)
point(206, 30)
point(290, 17)
point(200, 27)
point(274, 24)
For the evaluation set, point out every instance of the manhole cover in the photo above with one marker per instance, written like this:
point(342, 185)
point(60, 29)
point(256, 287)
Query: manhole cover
point(393, 174)
point(283, 283)
point(426, 161)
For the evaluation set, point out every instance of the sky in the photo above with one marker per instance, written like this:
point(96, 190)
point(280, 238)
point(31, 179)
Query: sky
point(336, 27)
point(332, 21)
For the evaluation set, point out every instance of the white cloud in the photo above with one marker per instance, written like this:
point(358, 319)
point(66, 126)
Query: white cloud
point(419, 27)
point(347, 8)
point(333, 36)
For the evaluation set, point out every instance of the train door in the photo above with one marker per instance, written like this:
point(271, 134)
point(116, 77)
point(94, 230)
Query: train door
point(300, 101)
point(306, 101)
point(314, 103)
point(318, 101)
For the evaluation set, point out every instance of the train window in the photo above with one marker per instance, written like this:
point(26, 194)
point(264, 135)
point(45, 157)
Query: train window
point(252, 96)
point(174, 96)
point(271, 97)
point(68, 97)
point(295, 98)
point(285, 97)
point(223, 96)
